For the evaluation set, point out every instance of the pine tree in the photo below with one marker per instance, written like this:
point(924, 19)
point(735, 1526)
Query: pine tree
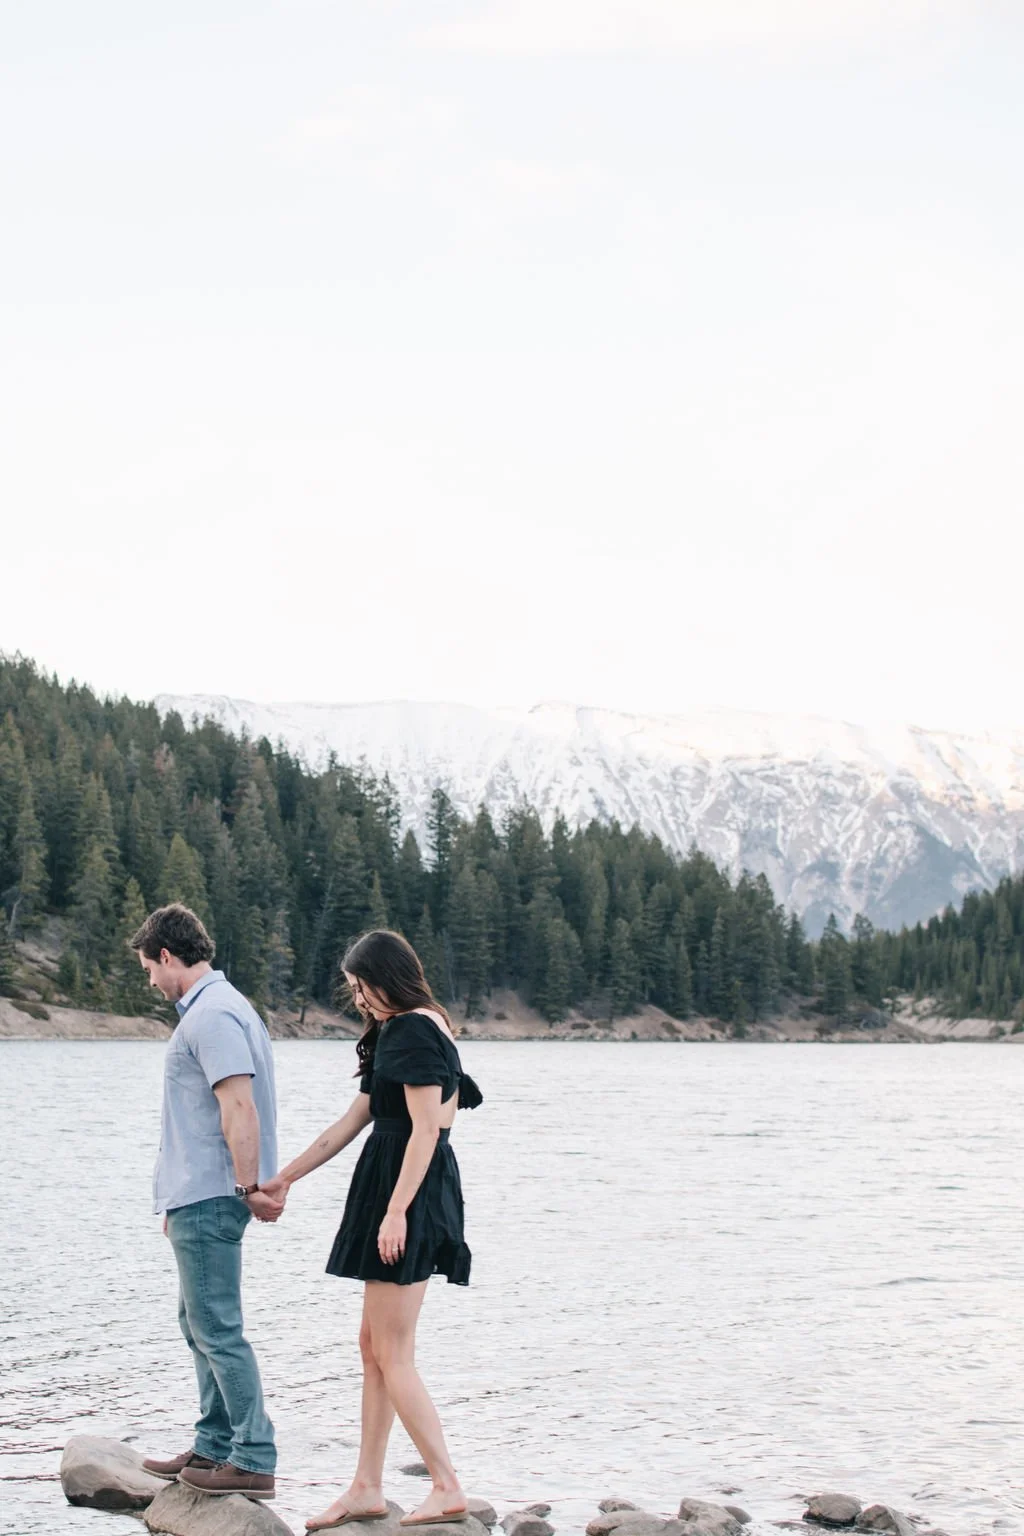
point(61, 818)
point(864, 975)
point(378, 915)
point(834, 960)
point(623, 971)
point(442, 825)
point(146, 849)
point(130, 990)
point(181, 879)
point(29, 852)
point(280, 959)
point(92, 911)
point(426, 946)
point(720, 979)
point(469, 939)
point(682, 990)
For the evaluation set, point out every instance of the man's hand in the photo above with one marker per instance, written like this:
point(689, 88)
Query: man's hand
point(263, 1206)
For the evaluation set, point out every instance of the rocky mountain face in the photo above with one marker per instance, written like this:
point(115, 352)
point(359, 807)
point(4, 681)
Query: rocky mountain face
point(892, 821)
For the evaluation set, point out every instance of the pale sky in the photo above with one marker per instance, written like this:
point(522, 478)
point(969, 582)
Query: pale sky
point(655, 354)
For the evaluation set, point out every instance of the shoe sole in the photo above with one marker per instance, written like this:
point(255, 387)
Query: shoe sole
point(224, 1493)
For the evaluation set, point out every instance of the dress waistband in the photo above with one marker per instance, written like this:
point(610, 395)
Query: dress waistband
point(398, 1127)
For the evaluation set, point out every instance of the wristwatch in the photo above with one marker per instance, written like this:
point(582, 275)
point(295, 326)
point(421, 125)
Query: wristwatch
point(243, 1191)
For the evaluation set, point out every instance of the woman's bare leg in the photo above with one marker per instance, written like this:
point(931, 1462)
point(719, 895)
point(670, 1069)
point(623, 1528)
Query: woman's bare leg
point(365, 1492)
point(392, 1312)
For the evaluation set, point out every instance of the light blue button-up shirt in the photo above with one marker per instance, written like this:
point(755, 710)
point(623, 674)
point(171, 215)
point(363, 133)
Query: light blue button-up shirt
point(219, 1034)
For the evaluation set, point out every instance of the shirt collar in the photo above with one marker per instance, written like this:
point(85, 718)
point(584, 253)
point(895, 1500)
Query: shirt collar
point(185, 1003)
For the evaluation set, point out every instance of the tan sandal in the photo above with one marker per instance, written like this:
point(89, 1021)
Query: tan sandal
point(347, 1519)
point(447, 1517)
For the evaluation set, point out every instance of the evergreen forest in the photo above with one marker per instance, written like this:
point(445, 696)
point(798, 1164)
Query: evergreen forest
point(106, 811)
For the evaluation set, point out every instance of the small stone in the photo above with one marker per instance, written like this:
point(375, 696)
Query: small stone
point(738, 1513)
point(609, 1505)
point(537, 1509)
point(106, 1474)
point(183, 1511)
point(832, 1509)
point(882, 1517)
point(702, 1518)
point(519, 1523)
point(482, 1511)
point(415, 1469)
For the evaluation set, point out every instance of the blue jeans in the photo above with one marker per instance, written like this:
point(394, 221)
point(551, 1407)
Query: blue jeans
point(233, 1424)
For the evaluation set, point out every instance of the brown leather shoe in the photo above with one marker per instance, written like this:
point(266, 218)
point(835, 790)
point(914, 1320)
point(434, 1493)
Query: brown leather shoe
point(170, 1469)
point(228, 1479)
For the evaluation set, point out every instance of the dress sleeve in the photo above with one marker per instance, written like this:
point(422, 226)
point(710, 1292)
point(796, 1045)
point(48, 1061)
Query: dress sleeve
point(415, 1053)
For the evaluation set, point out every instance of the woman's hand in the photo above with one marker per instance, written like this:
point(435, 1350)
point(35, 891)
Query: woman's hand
point(391, 1238)
point(276, 1188)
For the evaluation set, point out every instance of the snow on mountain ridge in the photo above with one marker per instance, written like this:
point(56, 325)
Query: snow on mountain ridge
point(891, 820)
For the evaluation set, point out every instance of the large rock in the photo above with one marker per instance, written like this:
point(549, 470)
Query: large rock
point(537, 1509)
point(610, 1505)
point(183, 1511)
point(702, 1518)
point(482, 1511)
point(738, 1513)
point(631, 1522)
point(105, 1474)
point(882, 1517)
point(519, 1522)
point(832, 1509)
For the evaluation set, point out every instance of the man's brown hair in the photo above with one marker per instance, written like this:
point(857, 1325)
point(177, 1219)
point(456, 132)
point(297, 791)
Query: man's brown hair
point(177, 929)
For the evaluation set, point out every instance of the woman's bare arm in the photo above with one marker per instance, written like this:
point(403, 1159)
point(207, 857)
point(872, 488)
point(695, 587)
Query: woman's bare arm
point(327, 1145)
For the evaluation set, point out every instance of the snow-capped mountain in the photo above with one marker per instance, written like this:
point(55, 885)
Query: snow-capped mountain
point(892, 821)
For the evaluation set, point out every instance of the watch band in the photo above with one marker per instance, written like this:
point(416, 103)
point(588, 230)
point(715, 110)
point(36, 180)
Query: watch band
point(243, 1191)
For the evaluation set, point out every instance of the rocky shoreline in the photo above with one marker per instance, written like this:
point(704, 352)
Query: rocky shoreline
point(98, 1473)
point(506, 1017)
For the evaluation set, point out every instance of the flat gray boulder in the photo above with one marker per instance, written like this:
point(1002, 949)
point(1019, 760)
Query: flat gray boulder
point(882, 1517)
point(520, 1522)
point(610, 1505)
point(738, 1513)
point(537, 1509)
point(702, 1518)
point(632, 1522)
point(182, 1511)
point(482, 1511)
point(105, 1474)
point(832, 1509)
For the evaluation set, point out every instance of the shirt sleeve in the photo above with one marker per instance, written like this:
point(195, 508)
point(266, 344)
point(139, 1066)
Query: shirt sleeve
point(218, 1042)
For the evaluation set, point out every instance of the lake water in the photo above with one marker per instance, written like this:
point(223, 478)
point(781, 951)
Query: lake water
point(769, 1269)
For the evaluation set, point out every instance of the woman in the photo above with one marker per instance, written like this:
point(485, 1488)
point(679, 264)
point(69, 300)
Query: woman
point(403, 1216)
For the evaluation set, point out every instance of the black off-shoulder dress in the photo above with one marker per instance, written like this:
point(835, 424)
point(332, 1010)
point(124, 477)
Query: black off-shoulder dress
point(411, 1049)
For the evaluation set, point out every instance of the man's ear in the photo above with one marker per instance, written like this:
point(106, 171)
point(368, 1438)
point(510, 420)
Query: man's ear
point(165, 956)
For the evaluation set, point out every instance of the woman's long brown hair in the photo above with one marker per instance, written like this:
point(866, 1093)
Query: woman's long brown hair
point(388, 963)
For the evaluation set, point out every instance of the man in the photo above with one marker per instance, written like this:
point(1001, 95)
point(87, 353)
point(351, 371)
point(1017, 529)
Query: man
point(218, 1142)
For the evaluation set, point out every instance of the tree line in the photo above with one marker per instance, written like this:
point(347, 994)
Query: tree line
point(107, 811)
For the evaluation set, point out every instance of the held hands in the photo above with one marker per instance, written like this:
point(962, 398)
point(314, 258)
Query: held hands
point(263, 1202)
point(391, 1238)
